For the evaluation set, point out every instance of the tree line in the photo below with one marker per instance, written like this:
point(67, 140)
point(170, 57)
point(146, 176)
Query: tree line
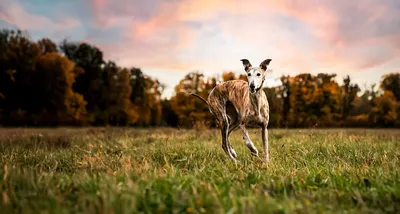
point(70, 84)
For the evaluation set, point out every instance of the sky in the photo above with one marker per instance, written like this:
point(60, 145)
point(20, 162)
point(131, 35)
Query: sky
point(168, 39)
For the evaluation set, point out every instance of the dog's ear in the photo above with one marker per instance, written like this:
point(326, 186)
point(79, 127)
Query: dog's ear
point(246, 64)
point(264, 64)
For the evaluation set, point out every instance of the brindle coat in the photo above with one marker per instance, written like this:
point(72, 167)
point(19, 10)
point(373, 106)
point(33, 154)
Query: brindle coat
point(238, 103)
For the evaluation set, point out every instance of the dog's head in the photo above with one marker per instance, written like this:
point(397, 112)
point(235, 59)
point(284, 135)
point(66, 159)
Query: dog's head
point(255, 75)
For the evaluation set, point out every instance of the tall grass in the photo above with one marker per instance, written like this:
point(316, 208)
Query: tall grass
point(119, 170)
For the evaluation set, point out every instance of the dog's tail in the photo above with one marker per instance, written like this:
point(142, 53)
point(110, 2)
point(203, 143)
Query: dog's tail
point(201, 98)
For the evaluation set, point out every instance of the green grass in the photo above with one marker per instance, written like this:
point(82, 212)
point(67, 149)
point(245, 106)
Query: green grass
point(176, 171)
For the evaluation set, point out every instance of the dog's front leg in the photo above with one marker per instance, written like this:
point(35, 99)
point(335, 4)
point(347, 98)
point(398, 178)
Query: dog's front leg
point(264, 135)
point(248, 141)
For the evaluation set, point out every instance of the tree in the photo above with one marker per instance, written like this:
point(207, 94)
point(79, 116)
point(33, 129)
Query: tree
point(146, 96)
point(228, 75)
point(391, 82)
point(169, 117)
point(18, 57)
point(89, 62)
point(115, 107)
point(304, 100)
point(59, 103)
point(349, 94)
point(330, 101)
point(285, 94)
point(275, 105)
point(153, 93)
point(47, 46)
point(314, 100)
point(384, 110)
point(191, 110)
point(71, 84)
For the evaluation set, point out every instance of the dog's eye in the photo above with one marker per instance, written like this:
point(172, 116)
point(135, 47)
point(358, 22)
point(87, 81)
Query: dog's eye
point(258, 74)
point(248, 74)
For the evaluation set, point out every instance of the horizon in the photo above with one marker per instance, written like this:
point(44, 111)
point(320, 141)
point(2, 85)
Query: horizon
point(169, 40)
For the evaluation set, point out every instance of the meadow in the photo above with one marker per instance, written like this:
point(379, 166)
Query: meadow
point(165, 170)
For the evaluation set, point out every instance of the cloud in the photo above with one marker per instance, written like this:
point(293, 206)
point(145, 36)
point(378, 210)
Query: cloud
point(344, 27)
point(15, 14)
point(158, 33)
point(106, 13)
point(212, 35)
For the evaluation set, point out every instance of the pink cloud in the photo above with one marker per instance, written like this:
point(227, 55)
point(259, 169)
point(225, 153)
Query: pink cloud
point(345, 36)
point(335, 22)
point(212, 35)
point(106, 13)
point(343, 26)
point(144, 56)
point(15, 14)
point(158, 40)
point(322, 20)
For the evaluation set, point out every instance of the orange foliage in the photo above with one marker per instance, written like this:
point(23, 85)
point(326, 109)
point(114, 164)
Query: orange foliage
point(41, 86)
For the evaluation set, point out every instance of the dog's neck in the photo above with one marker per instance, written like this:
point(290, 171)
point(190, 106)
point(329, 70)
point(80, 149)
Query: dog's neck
point(256, 101)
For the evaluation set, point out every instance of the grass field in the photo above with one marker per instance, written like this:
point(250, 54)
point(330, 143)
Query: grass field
point(119, 170)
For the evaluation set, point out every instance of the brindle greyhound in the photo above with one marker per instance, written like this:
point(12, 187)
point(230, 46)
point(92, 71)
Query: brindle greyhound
point(238, 103)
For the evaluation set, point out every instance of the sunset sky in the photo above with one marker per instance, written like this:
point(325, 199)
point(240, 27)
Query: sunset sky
point(167, 39)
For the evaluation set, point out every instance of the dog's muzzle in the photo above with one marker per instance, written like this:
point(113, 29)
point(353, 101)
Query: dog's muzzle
point(252, 88)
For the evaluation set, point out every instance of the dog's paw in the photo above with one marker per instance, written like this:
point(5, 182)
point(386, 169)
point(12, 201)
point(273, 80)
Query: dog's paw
point(254, 153)
point(233, 153)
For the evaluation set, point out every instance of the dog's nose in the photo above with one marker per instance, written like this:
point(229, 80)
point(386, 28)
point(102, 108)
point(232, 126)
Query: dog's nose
point(252, 86)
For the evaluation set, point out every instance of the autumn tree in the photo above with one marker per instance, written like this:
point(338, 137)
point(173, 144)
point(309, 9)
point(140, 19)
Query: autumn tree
point(169, 117)
point(40, 86)
point(153, 92)
point(391, 82)
point(37, 83)
point(146, 96)
point(71, 84)
point(5, 78)
point(115, 106)
point(228, 75)
point(243, 77)
point(330, 106)
point(384, 110)
point(47, 46)
point(191, 110)
point(285, 94)
point(275, 105)
point(18, 58)
point(303, 100)
point(314, 100)
point(349, 94)
point(89, 62)
point(59, 103)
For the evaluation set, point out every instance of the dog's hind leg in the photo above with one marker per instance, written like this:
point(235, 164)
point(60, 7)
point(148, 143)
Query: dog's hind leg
point(218, 108)
point(249, 143)
point(223, 122)
point(225, 142)
point(233, 123)
point(231, 128)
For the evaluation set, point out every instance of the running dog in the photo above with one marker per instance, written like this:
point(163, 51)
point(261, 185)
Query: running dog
point(237, 103)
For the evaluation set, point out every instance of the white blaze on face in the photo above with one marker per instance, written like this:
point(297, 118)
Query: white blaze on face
point(255, 78)
point(255, 75)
